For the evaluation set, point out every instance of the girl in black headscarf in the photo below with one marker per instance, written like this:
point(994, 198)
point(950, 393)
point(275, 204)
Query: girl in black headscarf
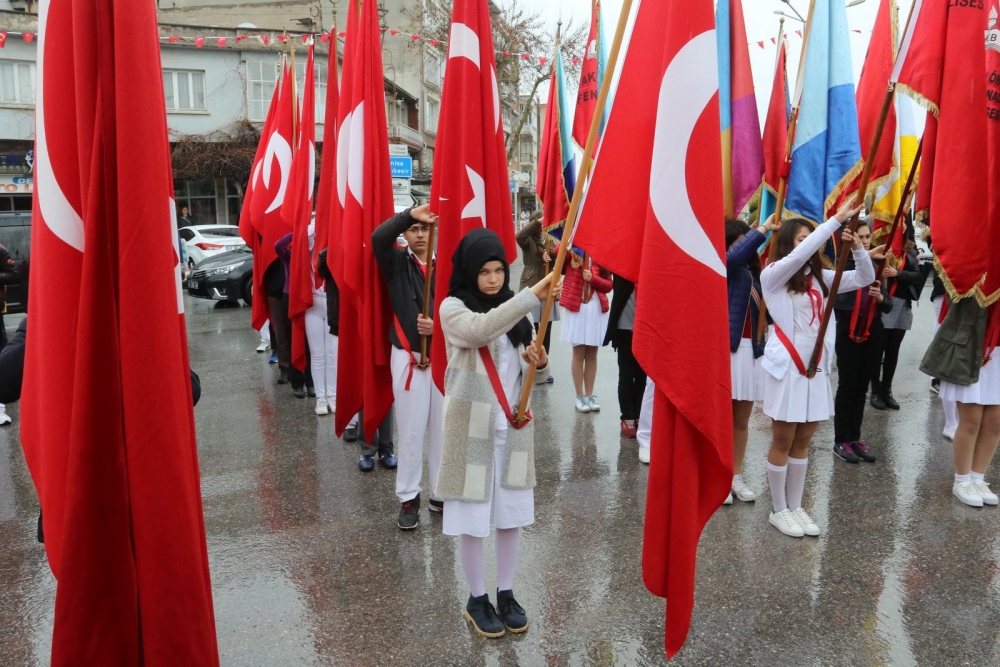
point(487, 470)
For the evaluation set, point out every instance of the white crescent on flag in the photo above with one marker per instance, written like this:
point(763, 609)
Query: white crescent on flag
point(476, 208)
point(464, 43)
point(694, 69)
point(351, 155)
point(57, 213)
point(277, 149)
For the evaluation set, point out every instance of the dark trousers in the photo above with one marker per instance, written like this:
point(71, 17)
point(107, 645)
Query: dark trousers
point(882, 374)
point(282, 341)
point(381, 442)
point(548, 336)
point(631, 378)
point(854, 364)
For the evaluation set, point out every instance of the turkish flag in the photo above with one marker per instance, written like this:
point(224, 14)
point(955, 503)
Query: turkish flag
point(776, 122)
point(328, 163)
point(364, 184)
point(115, 464)
point(871, 92)
point(941, 65)
point(587, 93)
point(297, 212)
point(470, 188)
point(658, 174)
point(248, 229)
point(554, 172)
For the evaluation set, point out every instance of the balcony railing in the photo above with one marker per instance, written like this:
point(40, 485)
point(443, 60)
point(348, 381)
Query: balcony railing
point(406, 134)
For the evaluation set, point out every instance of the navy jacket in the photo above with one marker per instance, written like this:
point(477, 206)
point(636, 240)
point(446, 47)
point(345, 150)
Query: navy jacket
point(739, 281)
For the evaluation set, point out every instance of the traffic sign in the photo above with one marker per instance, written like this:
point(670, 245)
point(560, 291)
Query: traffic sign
point(401, 167)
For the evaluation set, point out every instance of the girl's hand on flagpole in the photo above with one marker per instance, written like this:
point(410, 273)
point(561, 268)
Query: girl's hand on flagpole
point(878, 253)
point(541, 288)
point(425, 325)
point(890, 272)
point(875, 292)
point(535, 354)
point(847, 236)
point(423, 214)
point(545, 256)
point(588, 275)
point(772, 224)
point(848, 211)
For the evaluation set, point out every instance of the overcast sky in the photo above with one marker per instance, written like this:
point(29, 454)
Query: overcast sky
point(762, 25)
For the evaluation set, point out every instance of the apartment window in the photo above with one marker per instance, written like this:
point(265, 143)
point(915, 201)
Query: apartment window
point(527, 150)
point(432, 111)
point(17, 83)
point(433, 71)
point(262, 76)
point(199, 198)
point(184, 90)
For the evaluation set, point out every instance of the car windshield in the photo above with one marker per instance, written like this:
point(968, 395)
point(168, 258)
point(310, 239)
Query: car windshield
point(220, 231)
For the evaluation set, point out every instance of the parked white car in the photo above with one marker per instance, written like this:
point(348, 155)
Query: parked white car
point(203, 241)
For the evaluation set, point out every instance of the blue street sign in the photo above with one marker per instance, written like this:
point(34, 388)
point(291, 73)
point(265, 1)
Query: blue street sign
point(401, 167)
point(513, 185)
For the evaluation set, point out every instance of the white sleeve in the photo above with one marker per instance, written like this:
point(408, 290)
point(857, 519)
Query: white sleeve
point(863, 274)
point(777, 274)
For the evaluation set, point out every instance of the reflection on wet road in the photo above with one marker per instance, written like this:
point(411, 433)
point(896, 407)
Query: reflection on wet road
point(308, 567)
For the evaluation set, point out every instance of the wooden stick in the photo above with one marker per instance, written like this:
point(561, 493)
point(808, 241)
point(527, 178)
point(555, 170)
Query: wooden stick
point(852, 225)
point(428, 276)
point(574, 207)
point(859, 330)
point(587, 263)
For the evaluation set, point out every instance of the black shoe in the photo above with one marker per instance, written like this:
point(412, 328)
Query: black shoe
point(283, 376)
point(367, 463)
point(889, 401)
point(300, 392)
point(484, 617)
point(935, 385)
point(549, 380)
point(862, 452)
point(845, 452)
point(387, 460)
point(351, 434)
point(877, 402)
point(409, 514)
point(310, 391)
point(511, 613)
point(436, 506)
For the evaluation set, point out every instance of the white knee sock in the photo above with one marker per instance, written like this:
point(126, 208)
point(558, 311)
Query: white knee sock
point(507, 548)
point(776, 480)
point(796, 481)
point(471, 551)
point(950, 414)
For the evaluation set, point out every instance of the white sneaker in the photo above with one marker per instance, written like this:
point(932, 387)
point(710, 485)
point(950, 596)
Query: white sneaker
point(592, 402)
point(742, 491)
point(582, 404)
point(264, 346)
point(967, 493)
point(983, 489)
point(808, 526)
point(322, 408)
point(644, 455)
point(5, 418)
point(949, 433)
point(728, 500)
point(784, 522)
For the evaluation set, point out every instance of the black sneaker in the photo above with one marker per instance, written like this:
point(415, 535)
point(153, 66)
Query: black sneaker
point(484, 617)
point(387, 460)
point(862, 452)
point(436, 506)
point(409, 514)
point(283, 376)
point(889, 401)
point(310, 391)
point(511, 613)
point(351, 434)
point(845, 452)
point(300, 392)
point(366, 463)
point(936, 385)
point(877, 402)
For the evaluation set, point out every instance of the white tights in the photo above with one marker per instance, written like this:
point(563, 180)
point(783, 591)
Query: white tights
point(473, 563)
point(322, 349)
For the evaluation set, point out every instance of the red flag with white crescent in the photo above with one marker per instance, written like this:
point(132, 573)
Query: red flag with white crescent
point(658, 175)
point(116, 465)
point(328, 164)
point(470, 188)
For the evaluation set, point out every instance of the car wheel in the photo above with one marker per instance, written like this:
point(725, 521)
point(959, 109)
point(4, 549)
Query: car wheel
point(190, 263)
point(247, 292)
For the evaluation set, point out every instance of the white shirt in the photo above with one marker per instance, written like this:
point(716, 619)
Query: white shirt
point(509, 371)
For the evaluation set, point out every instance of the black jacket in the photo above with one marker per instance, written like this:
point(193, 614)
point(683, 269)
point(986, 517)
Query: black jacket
point(845, 302)
point(622, 292)
point(12, 365)
point(910, 279)
point(8, 275)
point(332, 295)
point(403, 278)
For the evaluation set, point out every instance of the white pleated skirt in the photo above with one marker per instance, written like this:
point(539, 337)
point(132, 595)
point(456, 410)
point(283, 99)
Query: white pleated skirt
point(796, 398)
point(506, 508)
point(984, 392)
point(746, 373)
point(586, 327)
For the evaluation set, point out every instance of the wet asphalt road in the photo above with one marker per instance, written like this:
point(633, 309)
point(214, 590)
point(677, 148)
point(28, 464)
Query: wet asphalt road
point(308, 567)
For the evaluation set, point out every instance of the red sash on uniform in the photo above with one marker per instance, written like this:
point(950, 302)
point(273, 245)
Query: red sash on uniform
point(491, 370)
point(404, 341)
point(895, 283)
point(816, 303)
point(854, 318)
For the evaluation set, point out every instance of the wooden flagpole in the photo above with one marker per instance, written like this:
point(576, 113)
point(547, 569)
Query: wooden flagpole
point(574, 207)
point(295, 102)
point(859, 330)
point(586, 255)
point(428, 276)
point(853, 224)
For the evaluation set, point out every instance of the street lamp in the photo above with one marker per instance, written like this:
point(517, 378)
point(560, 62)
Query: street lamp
point(788, 16)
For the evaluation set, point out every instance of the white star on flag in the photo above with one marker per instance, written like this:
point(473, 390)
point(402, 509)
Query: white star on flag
point(476, 208)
